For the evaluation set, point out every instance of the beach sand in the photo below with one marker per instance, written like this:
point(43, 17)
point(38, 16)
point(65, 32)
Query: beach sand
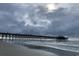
point(7, 49)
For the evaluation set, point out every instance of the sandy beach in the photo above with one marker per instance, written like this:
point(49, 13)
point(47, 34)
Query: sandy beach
point(18, 50)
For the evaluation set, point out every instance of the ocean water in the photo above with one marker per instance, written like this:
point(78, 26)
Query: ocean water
point(72, 44)
point(68, 47)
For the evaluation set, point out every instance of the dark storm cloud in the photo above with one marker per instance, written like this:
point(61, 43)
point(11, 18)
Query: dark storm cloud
point(35, 19)
point(8, 21)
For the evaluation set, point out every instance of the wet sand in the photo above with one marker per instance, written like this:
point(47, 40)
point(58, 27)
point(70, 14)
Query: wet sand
point(9, 49)
point(18, 50)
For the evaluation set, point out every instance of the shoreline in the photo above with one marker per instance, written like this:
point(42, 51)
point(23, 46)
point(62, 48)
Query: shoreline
point(7, 49)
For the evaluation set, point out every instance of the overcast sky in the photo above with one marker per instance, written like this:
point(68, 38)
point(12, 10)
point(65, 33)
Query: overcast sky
point(43, 19)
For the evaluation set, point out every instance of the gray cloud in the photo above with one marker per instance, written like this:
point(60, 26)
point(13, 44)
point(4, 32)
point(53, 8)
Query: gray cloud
point(35, 19)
